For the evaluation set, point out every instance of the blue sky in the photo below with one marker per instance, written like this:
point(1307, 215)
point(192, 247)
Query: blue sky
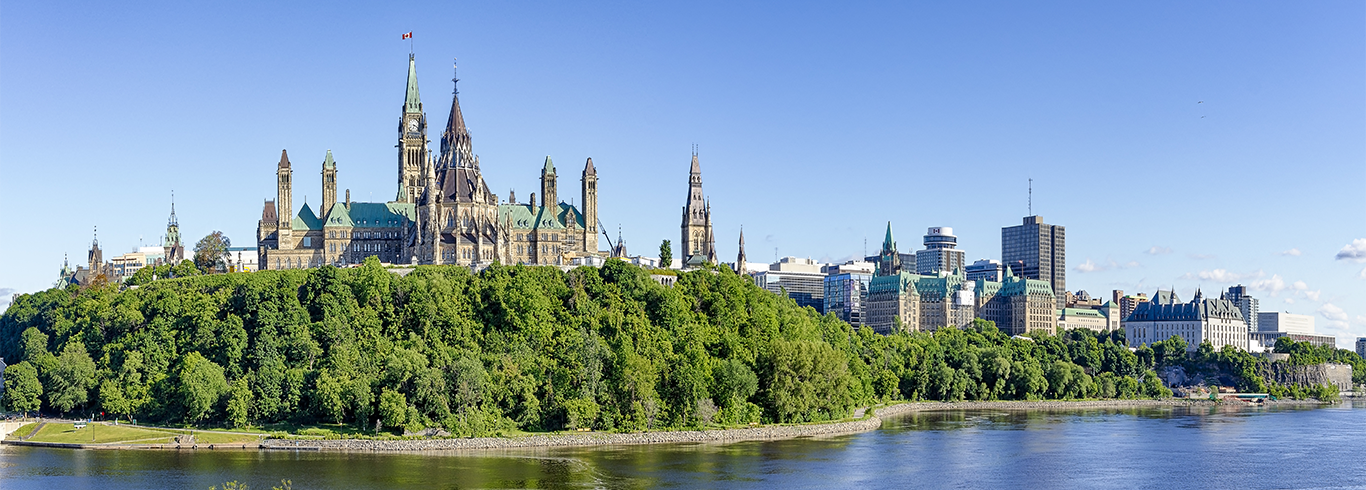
point(816, 126)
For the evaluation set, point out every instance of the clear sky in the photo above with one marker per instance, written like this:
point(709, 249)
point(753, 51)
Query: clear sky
point(816, 126)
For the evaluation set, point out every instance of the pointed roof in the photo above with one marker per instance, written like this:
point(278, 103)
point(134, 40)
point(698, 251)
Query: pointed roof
point(549, 167)
point(284, 159)
point(339, 216)
point(328, 162)
point(172, 221)
point(695, 167)
point(887, 242)
point(588, 167)
point(412, 103)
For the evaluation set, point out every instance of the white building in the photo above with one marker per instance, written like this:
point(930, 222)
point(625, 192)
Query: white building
point(1280, 321)
point(1272, 325)
point(1217, 321)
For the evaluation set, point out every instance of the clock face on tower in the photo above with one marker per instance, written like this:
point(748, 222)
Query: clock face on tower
point(412, 125)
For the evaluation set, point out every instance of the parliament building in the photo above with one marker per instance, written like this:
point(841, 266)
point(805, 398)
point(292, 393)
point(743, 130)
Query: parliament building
point(442, 212)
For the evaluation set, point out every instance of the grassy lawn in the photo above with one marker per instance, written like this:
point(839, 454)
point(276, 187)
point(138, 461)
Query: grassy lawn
point(99, 433)
point(203, 437)
point(23, 431)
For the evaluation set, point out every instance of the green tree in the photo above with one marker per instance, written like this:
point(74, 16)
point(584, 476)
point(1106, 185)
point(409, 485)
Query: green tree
point(71, 378)
point(113, 400)
point(211, 252)
point(393, 408)
point(733, 382)
point(666, 255)
point(329, 392)
point(34, 344)
point(202, 386)
point(239, 403)
point(23, 391)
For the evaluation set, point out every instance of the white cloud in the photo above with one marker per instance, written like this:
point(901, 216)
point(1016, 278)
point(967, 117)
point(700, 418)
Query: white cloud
point(1294, 252)
point(1109, 264)
point(1290, 301)
point(1313, 295)
point(1337, 318)
point(1355, 251)
point(1201, 256)
point(1222, 275)
point(1362, 275)
point(1156, 250)
point(6, 295)
point(1300, 286)
point(1088, 266)
point(1273, 286)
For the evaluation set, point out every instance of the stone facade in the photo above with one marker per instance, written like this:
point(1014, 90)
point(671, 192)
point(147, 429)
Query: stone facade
point(698, 244)
point(1217, 320)
point(442, 213)
point(1018, 305)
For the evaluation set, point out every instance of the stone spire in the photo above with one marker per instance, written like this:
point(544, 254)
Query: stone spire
point(740, 259)
point(888, 260)
point(456, 147)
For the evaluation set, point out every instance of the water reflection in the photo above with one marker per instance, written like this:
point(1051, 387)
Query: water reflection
point(1208, 447)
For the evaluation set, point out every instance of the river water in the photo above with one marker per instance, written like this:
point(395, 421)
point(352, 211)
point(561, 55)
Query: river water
point(1165, 448)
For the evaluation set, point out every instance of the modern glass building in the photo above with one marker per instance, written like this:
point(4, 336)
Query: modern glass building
point(846, 295)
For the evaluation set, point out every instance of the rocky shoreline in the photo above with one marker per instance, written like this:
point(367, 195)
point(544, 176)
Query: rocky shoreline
point(865, 422)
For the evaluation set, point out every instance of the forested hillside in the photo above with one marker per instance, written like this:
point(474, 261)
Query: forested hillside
point(512, 347)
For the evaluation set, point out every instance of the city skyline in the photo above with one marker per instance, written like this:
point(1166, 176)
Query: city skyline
point(1206, 146)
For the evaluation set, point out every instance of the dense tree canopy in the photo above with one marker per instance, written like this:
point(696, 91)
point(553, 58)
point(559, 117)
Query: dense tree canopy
point(530, 348)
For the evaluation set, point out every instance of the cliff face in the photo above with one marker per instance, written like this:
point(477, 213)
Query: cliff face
point(1338, 375)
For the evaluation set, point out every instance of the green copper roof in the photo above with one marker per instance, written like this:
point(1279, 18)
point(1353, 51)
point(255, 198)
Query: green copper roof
point(887, 242)
point(338, 216)
point(328, 162)
point(381, 214)
point(902, 282)
point(413, 103)
point(306, 220)
point(557, 216)
point(549, 168)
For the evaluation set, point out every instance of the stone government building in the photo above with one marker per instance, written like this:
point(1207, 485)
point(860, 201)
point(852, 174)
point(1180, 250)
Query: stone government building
point(442, 213)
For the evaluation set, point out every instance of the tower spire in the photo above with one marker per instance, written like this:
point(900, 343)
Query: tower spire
point(412, 102)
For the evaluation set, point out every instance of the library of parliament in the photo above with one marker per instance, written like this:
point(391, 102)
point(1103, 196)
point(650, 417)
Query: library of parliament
point(443, 212)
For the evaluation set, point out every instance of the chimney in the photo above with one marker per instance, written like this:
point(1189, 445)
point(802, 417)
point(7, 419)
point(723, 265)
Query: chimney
point(348, 199)
point(512, 196)
point(532, 200)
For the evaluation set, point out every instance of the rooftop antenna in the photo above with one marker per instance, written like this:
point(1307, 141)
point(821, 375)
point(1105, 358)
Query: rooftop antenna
point(1031, 197)
point(455, 77)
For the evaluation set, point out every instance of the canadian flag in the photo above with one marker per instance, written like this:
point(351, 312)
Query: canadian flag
point(409, 35)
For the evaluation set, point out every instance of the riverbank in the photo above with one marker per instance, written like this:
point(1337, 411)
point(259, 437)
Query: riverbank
point(867, 420)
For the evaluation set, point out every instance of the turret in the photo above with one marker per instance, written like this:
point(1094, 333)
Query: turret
point(590, 207)
point(329, 185)
point(548, 183)
point(284, 208)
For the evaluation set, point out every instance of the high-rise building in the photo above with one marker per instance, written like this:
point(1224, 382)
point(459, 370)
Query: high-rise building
point(1127, 304)
point(940, 254)
point(1037, 250)
point(988, 269)
point(1361, 346)
point(1248, 305)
